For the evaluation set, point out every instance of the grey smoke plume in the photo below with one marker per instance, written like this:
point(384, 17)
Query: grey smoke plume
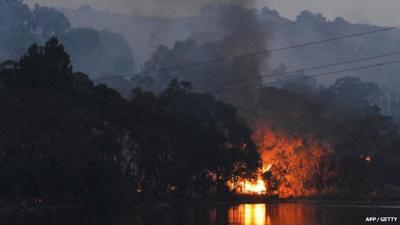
point(240, 31)
point(153, 8)
point(370, 11)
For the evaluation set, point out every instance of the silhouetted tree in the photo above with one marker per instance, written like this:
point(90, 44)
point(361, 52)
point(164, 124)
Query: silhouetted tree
point(64, 139)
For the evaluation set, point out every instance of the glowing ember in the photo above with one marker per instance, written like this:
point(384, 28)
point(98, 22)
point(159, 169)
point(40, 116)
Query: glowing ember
point(367, 158)
point(139, 188)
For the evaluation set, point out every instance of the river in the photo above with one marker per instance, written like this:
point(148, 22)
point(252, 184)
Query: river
point(242, 214)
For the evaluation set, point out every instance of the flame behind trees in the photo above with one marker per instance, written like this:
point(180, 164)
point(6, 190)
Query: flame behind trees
point(323, 140)
point(297, 165)
point(291, 166)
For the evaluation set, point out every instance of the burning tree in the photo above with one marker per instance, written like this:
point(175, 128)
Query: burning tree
point(297, 166)
point(291, 166)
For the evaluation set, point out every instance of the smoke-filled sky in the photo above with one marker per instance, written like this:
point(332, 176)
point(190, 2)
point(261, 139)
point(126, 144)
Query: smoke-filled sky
point(382, 12)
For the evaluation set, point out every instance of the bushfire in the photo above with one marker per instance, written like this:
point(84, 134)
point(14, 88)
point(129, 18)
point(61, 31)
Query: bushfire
point(256, 186)
point(292, 166)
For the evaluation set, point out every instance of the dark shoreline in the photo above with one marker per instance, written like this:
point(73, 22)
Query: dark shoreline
point(13, 208)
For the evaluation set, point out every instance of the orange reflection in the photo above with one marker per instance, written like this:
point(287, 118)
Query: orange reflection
point(248, 214)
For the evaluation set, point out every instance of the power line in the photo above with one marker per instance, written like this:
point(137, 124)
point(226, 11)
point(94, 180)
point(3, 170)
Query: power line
point(114, 77)
point(306, 77)
point(297, 70)
point(263, 52)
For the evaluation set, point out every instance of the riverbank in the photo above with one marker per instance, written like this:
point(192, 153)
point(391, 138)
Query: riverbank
point(13, 207)
point(204, 214)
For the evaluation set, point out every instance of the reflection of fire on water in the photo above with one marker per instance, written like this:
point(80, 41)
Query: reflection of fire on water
point(248, 214)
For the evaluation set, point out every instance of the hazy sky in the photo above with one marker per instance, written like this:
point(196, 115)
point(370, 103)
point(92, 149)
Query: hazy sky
point(382, 12)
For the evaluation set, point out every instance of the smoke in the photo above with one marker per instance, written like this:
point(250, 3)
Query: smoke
point(239, 30)
point(245, 34)
point(151, 8)
point(179, 8)
point(371, 11)
point(359, 11)
point(229, 18)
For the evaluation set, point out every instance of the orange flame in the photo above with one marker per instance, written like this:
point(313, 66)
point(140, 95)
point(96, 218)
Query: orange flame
point(291, 162)
point(258, 187)
point(251, 187)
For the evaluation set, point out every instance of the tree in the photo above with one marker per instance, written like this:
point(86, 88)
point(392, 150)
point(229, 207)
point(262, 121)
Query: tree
point(192, 135)
point(297, 165)
point(65, 140)
point(50, 22)
point(357, 97)
point(307, 17)
point(60, 137)
point(16, 26)
point(325, 139)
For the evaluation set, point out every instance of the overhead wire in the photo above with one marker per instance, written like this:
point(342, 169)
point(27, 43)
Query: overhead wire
point(251, 54)
point(280, 74)
point(308, 76)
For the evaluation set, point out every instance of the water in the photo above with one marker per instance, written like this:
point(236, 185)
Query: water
point(243, 214)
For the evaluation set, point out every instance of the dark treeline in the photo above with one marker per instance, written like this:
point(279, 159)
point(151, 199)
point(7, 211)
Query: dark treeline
point(65, 140)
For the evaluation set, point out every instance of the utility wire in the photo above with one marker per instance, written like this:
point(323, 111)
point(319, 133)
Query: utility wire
point(306, 77)
point(297, 70)
point(236, 57)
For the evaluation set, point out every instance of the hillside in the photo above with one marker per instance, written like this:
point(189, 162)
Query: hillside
point(146, 34)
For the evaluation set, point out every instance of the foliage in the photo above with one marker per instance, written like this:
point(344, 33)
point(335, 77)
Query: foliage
point(64, 139)
point(197, 136)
